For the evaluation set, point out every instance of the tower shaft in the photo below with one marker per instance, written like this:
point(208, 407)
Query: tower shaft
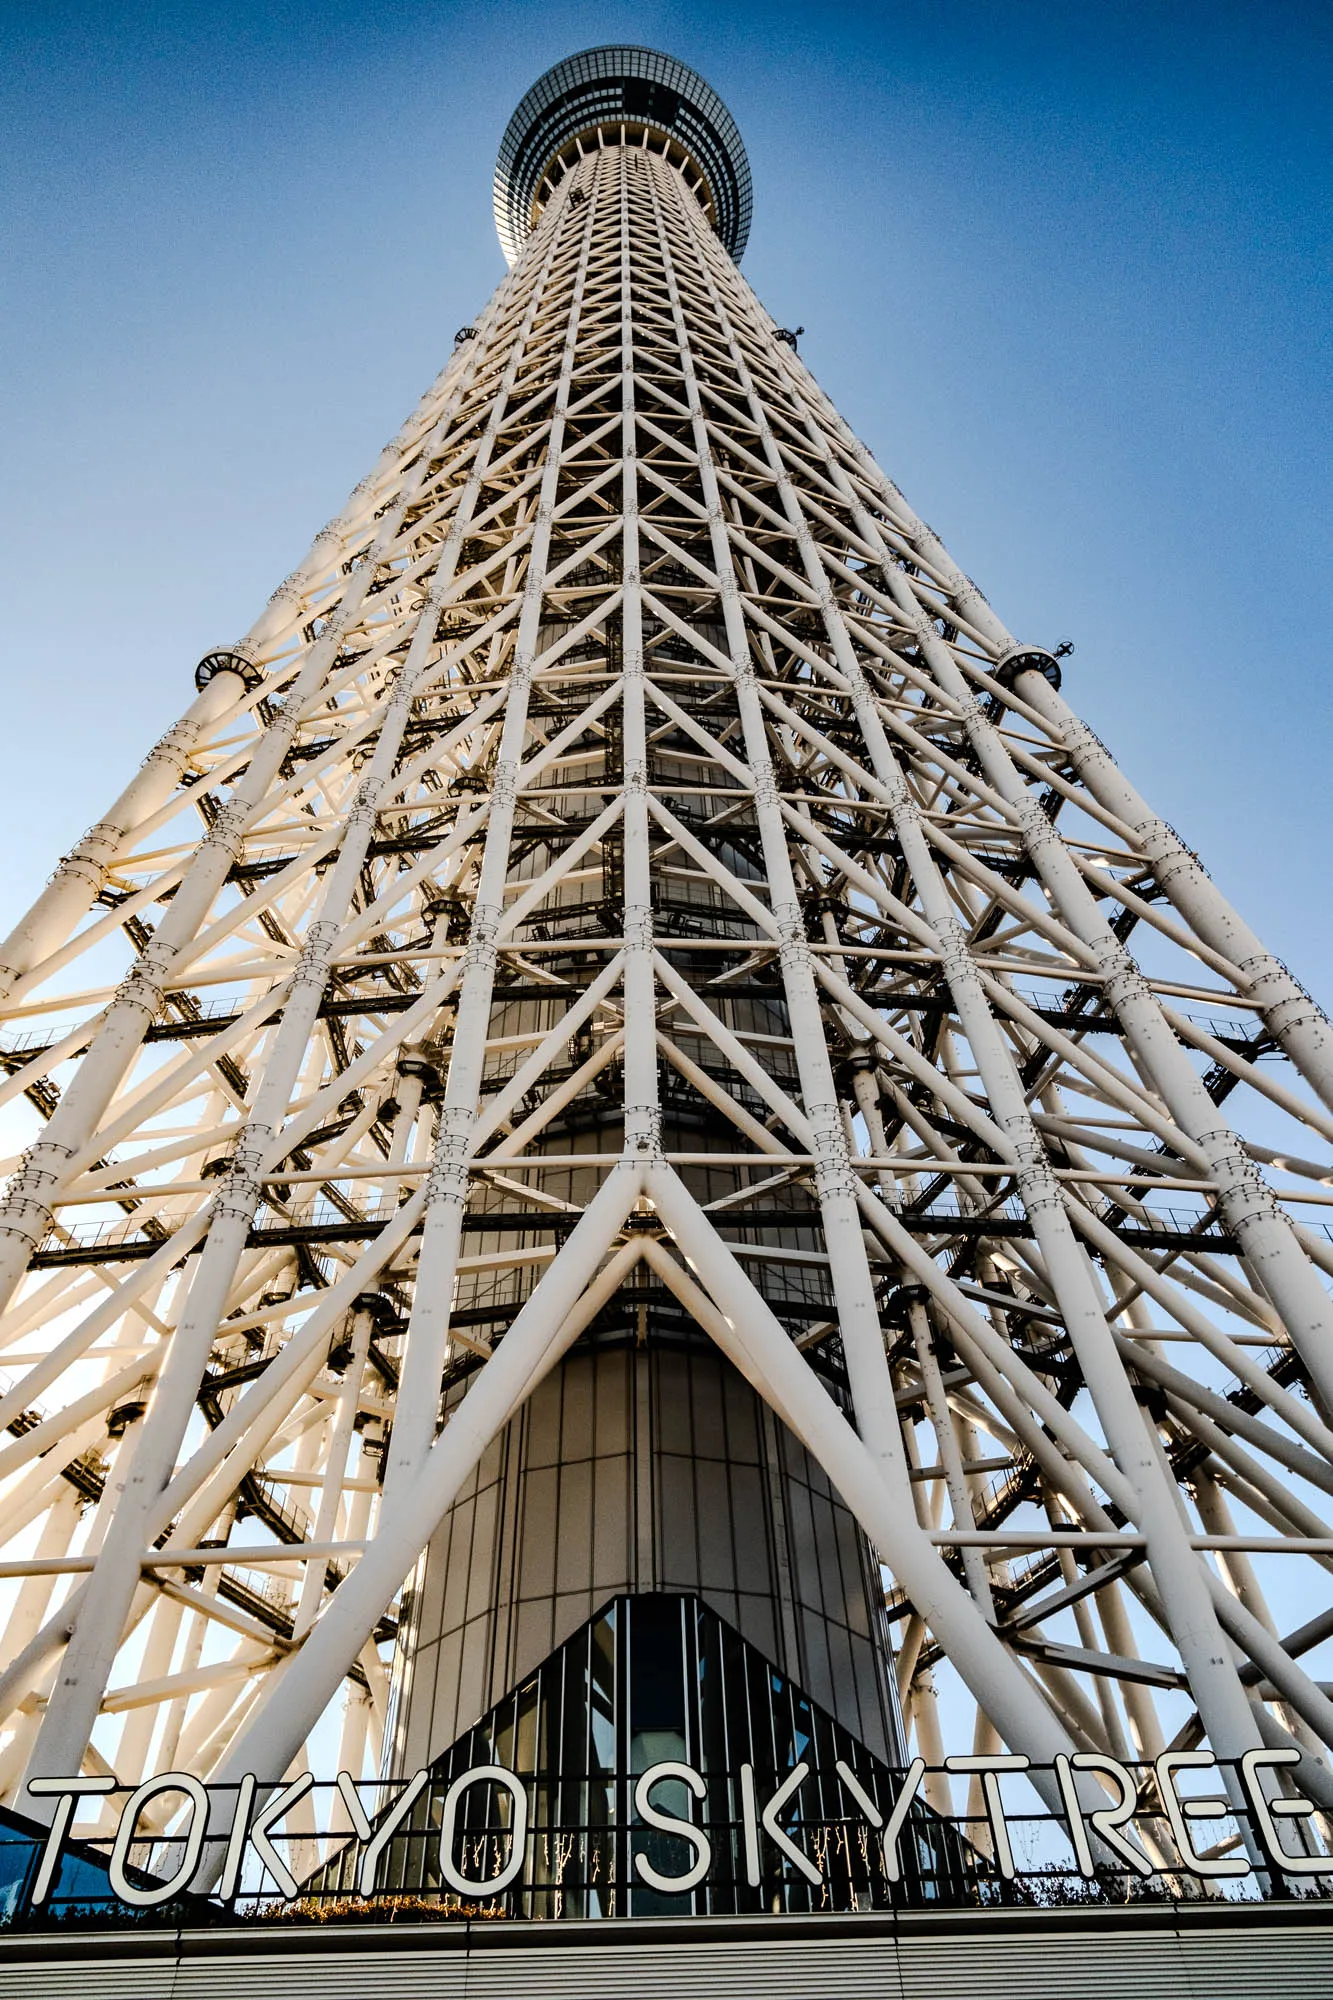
point(650, 926)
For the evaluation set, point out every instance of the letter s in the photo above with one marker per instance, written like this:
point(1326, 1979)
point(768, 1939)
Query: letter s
point(672, 1885)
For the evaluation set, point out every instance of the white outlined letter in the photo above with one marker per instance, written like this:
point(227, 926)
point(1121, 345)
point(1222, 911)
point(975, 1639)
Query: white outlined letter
point(494, 1774)
point(683, 1829)
point(170, 1781)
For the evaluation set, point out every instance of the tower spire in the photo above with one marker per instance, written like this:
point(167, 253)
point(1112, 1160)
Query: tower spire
point(631, 1042)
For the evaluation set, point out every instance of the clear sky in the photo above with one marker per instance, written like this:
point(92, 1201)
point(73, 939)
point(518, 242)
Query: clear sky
point(1064, 267)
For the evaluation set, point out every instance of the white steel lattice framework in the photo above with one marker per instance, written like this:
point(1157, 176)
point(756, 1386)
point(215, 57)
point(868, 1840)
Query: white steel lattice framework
point(628, 701)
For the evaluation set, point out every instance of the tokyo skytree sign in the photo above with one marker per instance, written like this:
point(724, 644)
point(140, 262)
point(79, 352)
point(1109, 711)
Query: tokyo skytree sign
point(634, 1159)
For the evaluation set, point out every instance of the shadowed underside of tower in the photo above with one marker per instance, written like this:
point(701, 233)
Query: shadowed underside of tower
point(630, 1041)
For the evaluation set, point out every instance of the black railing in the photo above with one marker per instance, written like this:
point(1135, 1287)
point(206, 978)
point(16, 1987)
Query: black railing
point(442, 1848)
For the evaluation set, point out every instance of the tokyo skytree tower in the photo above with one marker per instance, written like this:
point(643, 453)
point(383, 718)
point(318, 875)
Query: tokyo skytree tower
point(629, 1044)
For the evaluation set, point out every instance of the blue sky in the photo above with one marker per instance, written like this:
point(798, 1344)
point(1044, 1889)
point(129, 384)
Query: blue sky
point(1065, 268)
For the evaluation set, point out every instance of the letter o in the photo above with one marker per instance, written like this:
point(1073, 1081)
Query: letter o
point(518, 1832)
point(170, 1781)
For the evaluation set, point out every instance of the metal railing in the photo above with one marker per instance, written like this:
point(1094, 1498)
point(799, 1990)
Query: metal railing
point(1186, 1830)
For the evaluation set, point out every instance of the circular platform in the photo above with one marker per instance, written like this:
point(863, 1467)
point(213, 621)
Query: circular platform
point(606, 89)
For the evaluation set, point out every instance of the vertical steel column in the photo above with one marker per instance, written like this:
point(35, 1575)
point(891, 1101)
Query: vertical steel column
point(1194, 1626)
point(643, 1117)
point(1297, 1022)
point(572, 1290)
point(74, 1702)
point(906, 1548)
point(27, 1209)
point(447, 1187)
point(858, 1312)
point(1245, 1199)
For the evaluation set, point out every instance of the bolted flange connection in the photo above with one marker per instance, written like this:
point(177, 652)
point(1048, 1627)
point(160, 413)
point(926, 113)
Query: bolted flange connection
point(223, 662)
point(1027, 660)
point(428, 1072)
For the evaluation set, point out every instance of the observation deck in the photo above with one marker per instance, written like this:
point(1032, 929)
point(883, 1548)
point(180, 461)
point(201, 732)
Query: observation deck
point(627, 94)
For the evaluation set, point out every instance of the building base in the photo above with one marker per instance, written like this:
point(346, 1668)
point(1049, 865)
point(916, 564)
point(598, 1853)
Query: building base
point(1166, 1951)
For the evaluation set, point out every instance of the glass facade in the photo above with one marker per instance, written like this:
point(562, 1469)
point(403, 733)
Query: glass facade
point(632, 1468)
point(605, 87)
point(80, 1890)
point(651, 1680)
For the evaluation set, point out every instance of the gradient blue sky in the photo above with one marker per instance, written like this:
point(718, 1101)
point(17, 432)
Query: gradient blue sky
point(1065, 268)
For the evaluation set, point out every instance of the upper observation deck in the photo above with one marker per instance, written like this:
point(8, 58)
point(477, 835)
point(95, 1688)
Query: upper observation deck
point(629, 92)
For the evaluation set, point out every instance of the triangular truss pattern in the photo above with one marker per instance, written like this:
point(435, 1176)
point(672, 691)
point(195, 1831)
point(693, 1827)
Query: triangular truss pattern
point(629, 849)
